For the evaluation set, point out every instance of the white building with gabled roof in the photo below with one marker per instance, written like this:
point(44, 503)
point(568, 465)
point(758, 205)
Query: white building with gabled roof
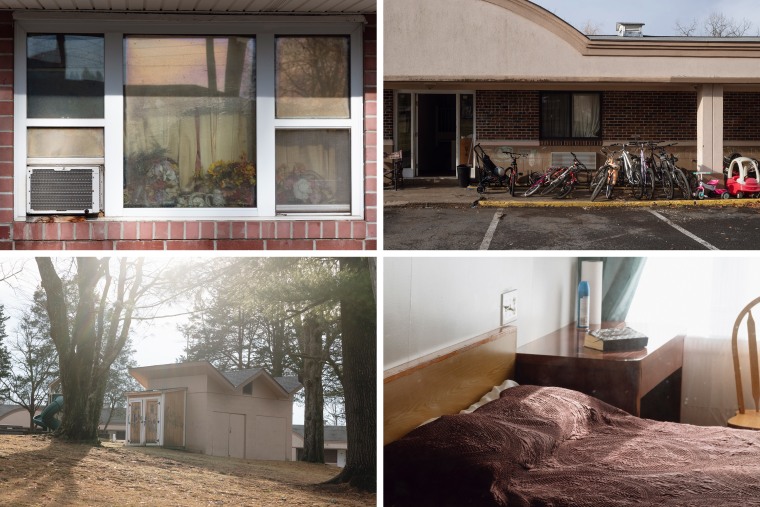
point(195, 406)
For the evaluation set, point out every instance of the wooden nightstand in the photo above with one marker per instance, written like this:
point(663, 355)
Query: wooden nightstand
point(645, 383)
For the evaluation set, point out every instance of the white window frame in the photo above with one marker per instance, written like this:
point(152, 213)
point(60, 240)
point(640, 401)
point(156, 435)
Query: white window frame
point(264, 28)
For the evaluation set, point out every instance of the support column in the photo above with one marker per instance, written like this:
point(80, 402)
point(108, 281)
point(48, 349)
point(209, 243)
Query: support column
point(710, 128)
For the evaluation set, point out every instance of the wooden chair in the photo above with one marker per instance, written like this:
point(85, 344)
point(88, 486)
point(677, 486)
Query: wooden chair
point(393, 175)
point(746, 418)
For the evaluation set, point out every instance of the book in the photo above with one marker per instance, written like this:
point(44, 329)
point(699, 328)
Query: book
point(615, 339)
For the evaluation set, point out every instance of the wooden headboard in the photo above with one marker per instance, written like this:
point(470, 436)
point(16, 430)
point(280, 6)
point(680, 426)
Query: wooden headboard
point(446, 381)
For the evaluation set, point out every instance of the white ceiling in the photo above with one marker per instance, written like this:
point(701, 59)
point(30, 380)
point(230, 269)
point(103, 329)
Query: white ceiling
point(232, 6)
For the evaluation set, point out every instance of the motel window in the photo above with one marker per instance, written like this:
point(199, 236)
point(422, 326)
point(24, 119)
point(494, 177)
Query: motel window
point(240, 120)
point(566, 115)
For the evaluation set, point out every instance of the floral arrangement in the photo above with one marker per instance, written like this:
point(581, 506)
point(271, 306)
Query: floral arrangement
point(235, 179)
point(153, 180)
point(300, 185)
point(224, 174)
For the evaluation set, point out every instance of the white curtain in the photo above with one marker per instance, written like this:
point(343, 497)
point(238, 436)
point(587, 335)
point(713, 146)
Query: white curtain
point(586, 115)
point(699, 296)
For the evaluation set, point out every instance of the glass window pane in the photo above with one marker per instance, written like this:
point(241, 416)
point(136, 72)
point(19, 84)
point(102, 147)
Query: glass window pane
point(466, 127)
point(555, 115)
point(313, 170)
point(65, 76)
point(312, 77)
point(404, 127)
point(586, 114)
point(189, 114)
point(65, 142)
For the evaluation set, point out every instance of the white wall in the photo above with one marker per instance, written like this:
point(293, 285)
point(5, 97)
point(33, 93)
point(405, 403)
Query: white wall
point(431, 303)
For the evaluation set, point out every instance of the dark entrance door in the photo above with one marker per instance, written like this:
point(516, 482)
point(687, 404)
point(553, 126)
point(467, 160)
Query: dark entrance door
point(436, 134)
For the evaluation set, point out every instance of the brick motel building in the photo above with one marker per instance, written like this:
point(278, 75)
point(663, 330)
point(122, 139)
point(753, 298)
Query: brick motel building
point(512, 75)
point(235, 126)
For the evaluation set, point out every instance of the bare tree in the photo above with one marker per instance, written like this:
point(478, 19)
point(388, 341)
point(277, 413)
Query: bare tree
point(591, 28)
point(686, 29)
point(35, 364)
point(716, 24)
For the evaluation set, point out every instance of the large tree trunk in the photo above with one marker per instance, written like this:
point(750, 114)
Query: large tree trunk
point(88, 346)
point(311, 378)
point(358, 326)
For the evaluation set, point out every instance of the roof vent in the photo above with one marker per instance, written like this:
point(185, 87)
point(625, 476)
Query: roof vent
point(629, 29)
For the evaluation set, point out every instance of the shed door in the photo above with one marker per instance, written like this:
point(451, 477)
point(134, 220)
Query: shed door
point(135, 422)
point(151, 422)
point(228, 435)
point(220, 433)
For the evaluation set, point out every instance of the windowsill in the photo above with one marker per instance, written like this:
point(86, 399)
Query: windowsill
point(281, 218)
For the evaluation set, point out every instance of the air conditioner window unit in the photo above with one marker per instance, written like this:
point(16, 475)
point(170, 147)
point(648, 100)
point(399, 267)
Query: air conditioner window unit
point(59, 189)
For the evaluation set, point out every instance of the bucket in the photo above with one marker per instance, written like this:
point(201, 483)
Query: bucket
point(463, 174)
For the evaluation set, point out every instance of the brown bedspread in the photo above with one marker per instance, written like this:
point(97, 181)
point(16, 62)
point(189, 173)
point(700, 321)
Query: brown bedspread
point(542, 446)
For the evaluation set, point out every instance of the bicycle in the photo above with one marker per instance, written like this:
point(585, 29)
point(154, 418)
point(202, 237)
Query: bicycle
point(606, 176)
point(660, 173)
point(566, 179)
point(677, 175)
point(645, 187)
point(544, 180)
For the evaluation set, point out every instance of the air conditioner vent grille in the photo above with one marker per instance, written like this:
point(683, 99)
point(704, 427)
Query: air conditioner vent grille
point(69, 190)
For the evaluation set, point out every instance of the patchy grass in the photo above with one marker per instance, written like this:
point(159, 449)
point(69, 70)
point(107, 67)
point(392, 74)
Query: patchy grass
point(39, 470)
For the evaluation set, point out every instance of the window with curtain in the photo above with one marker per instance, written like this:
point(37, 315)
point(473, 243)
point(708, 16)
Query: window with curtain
point(313, 166)
point(248, 118)
point(313, 169)
point(189, 121)
point(570, 115)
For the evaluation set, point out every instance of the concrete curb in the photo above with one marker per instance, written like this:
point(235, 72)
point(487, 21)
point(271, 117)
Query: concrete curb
point(562, 203)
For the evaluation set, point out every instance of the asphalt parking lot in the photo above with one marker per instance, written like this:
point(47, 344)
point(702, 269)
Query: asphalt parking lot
point(431, 227)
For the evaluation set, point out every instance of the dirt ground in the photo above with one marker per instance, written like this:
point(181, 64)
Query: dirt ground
point(38, 470)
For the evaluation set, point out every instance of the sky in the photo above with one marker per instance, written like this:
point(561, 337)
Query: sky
point(659, 16)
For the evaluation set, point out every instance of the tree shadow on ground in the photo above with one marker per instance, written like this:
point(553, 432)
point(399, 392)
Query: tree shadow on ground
point(41, 476)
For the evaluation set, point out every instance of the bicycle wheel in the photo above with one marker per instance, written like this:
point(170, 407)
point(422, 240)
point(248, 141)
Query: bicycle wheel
point(608, 191)
point(555, 183)
point(565, 189)
point(598, 182)
point(693, 183)
point(667, 184)
point(637, 187)
point(680, 181)
point(648, 184)
point(512, 180)
point(534, 187)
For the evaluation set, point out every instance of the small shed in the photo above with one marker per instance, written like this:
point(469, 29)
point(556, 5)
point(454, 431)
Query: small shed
point(195, 406)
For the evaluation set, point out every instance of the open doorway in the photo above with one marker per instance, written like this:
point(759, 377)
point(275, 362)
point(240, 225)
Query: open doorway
point(437, 134)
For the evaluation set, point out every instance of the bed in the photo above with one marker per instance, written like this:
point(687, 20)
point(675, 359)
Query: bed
point(552, 446)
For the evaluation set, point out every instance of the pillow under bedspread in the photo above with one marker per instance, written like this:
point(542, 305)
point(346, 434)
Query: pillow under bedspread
point(550, 446)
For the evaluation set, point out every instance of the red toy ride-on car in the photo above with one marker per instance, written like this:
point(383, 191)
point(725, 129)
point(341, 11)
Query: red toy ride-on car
point(739, 182)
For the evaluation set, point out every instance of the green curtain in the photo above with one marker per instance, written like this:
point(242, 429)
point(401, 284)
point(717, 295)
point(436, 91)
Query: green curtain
point(620, 278)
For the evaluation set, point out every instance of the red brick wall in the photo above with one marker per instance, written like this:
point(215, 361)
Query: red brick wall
point(368, 236)
point(388, 114)
point(504, 114)
point(195, 235)
point(649, 115)
point(740, 116)
point(6, 129)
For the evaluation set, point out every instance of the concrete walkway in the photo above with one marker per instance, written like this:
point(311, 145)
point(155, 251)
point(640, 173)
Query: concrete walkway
point(446, 192)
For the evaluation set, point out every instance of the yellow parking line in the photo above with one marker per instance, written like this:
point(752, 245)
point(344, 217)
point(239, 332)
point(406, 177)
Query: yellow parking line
point(562, 203)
